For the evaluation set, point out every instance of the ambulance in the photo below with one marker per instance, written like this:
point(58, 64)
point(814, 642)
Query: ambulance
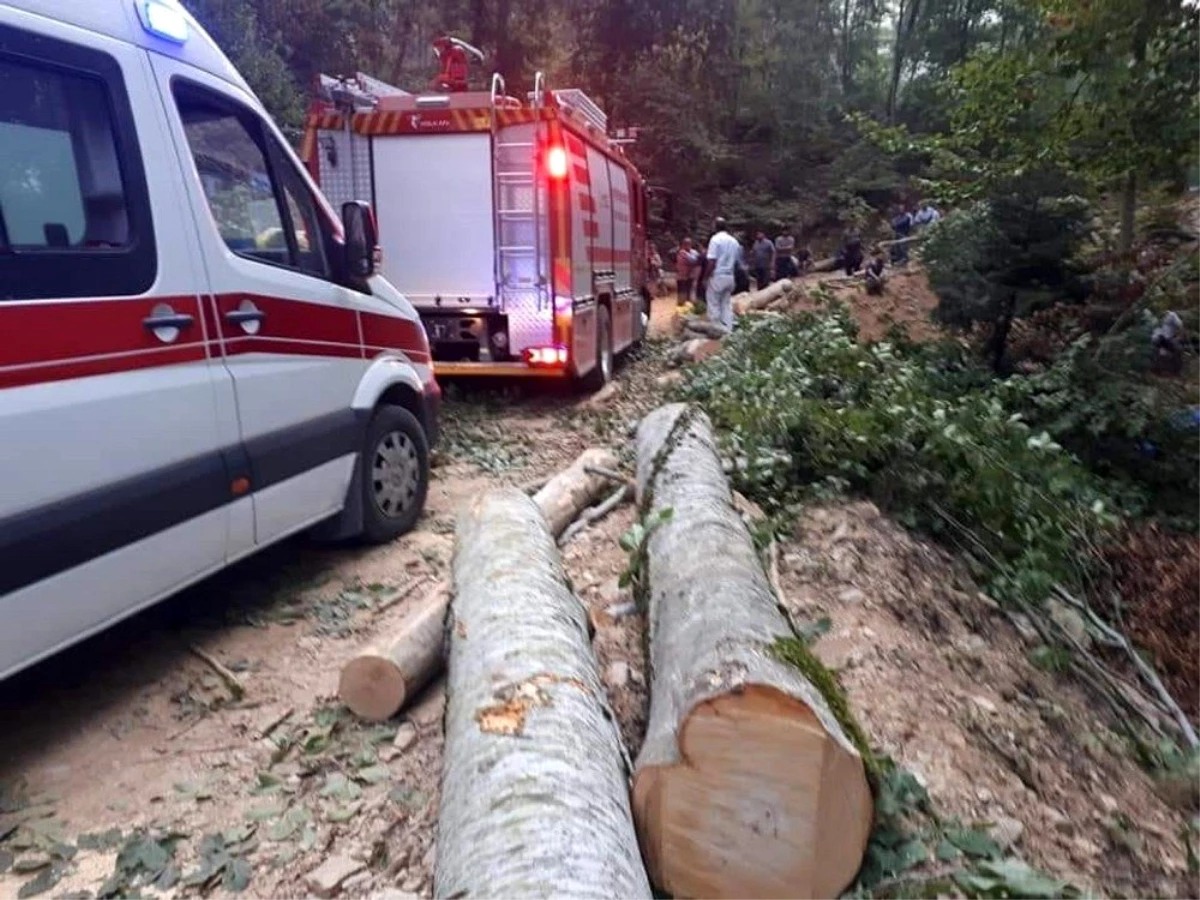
point(516, 226)
point(198, 357)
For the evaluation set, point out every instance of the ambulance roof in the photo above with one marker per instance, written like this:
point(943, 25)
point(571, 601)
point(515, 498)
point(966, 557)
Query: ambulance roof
point(120, 19)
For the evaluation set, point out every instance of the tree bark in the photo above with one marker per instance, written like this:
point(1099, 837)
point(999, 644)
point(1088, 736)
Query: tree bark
point(534, 796)
point(1128, 212)
point(378, 681)
point(763, 298)
point(746, 785)
point(574, 489)
point(906, 20)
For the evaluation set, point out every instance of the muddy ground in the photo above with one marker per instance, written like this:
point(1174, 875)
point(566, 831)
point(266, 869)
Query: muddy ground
point(127, 760)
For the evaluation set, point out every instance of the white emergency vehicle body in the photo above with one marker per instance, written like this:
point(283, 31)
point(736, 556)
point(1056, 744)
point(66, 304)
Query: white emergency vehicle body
point(190, 366)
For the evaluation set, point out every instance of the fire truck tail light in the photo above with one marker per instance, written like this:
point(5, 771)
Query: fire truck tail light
point(546, 356)
point(556, 162)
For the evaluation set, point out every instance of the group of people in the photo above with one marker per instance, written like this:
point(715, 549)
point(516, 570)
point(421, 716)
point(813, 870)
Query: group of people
point(763, 261)
point(906, 223)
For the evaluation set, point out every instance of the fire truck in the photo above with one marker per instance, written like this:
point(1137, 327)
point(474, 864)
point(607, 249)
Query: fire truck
point(515, 226)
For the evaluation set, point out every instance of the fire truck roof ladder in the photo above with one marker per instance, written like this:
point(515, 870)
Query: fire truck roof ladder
point(518, 200)
point(582, 104)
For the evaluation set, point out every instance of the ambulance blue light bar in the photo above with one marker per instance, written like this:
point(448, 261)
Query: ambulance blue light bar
point(164, 19)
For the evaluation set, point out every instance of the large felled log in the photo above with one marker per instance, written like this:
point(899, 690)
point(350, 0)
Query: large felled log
point(381, 678)
point(705, 328)
point(573, 489)
point(761, 299)
point(534, 797)
point(746, 785)
point(377, 682)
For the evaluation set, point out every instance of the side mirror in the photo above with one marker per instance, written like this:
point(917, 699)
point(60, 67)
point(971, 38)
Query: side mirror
point(362, 238)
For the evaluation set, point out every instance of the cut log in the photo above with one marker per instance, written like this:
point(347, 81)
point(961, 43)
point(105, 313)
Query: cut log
point(761, 299)
point(377, 681)
point(824, 265)
point(695, 350)
point(534, 796)
point(705, 327)
point(573, 489)
point(746, 785)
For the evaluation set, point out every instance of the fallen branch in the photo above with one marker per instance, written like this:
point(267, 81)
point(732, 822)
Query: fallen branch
point(275, 723)
point(574, 488)
point(610, 474)
point(236, 688)
point(377, 680)
point(1144, 668)
point(623, 494)
point(401, 594)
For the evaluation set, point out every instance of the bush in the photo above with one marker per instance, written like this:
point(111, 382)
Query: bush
point(917, 429)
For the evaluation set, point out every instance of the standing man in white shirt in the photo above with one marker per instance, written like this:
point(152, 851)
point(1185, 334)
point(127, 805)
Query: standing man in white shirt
point(724, 253)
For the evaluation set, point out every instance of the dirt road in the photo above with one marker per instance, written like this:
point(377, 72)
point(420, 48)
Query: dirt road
point(126, 762)
point(134, 734)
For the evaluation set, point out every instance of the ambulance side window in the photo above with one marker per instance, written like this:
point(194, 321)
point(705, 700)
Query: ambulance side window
point(259, 206)
point(74, 209)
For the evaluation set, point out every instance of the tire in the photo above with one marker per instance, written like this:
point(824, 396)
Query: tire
point(641, 326)
point(395, 474)
point(602, 371)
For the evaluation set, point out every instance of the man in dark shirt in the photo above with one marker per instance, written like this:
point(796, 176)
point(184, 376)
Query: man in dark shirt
point(762, 255)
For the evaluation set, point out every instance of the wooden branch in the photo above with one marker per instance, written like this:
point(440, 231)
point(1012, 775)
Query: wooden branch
point(574, 488)
point(623, 494)
point(610, 474)
point(534, 798)
point(1144, 668)
point(236, 688)
point(378, 680)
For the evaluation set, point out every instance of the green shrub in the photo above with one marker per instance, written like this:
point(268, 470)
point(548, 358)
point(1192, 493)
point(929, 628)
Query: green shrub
point(806, 406)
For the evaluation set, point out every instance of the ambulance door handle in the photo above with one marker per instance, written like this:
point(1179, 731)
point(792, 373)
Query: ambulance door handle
point(169, 320)
point(241, 316)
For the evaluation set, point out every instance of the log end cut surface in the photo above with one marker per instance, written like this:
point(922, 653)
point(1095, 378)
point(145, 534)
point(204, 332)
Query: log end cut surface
point(373, 687)
point(737, 815)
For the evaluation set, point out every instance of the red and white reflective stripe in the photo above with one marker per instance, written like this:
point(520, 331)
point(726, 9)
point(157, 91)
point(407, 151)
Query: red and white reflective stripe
point(82, 337)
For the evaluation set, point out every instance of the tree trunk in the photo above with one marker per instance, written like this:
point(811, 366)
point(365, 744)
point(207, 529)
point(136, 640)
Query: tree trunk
point(379, 680)
point(534, 794)
point(1128, 211)
point(763, 298)
point(847, 43)
point(1000, 332)
point(574, 489)
point(906, 20)
point(746, 785)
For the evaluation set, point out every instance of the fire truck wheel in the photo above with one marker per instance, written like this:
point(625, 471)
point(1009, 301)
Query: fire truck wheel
point(601, 373)
point(395, 474)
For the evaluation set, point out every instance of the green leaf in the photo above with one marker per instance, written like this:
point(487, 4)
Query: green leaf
point(42, 882)
point(100, 840)
point(338, 787)
point(973, 842)
point(268, 783)
point(27, 864)
point(913, 853)
point(239, 833)
point(237, 875)
point(265, 811)
point(374, 774)
point(946, 851)
point(344, 813)
point(1023, 881)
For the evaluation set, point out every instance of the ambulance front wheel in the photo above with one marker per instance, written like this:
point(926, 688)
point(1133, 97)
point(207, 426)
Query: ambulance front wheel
point(602, 371)
point(395, 474)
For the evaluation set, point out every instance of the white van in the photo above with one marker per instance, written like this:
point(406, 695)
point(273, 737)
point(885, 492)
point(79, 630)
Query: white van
point(197, 358)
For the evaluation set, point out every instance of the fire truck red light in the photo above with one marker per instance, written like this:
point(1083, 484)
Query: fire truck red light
point(556, 162)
